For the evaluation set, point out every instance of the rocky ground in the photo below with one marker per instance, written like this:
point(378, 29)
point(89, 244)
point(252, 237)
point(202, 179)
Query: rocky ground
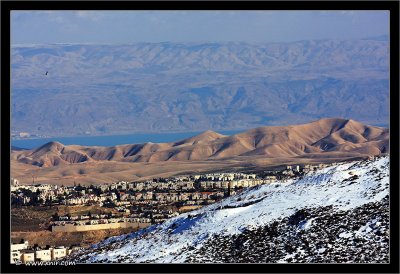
point(318, 235)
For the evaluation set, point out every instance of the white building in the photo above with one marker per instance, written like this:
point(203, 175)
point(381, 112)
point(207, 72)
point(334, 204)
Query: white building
point(15, 256)
point(19, 247)
point(28, 256)
point(58, 252)
point(43, 255)
point(23, 253)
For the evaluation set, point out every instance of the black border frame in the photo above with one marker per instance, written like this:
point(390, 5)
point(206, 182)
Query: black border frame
point(392, 6)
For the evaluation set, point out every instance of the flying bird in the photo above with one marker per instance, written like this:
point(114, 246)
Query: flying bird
point(46, 73)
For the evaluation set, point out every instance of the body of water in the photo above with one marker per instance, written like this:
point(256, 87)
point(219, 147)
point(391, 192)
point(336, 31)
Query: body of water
point(112, 140)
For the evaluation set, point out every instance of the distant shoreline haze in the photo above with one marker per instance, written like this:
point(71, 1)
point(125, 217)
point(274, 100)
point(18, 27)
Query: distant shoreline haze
point(112, 140)
point(121, 139)
point(384, 37)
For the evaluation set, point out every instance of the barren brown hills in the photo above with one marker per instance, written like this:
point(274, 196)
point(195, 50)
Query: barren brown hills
point(331, 139)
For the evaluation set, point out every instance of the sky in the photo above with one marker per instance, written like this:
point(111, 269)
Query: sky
point(125, 27)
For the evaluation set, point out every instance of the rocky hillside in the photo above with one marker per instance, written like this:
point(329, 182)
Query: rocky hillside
point(158, 87)
point(337, 214)
point(320, 139)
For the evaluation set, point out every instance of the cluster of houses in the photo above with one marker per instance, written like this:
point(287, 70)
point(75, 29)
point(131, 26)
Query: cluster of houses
point(111, 220)
point(296, 169)
point(183, 188)
point(24, 253)
point(71, 220)
point(138, 203)
point(183, 193)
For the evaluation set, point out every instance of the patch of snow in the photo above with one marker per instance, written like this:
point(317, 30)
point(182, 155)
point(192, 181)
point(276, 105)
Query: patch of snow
point(346, 235)
point(321, 250)
point(368, 227)
point(306, 224)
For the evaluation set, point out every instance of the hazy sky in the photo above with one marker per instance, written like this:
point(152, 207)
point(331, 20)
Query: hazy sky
point(116, 27)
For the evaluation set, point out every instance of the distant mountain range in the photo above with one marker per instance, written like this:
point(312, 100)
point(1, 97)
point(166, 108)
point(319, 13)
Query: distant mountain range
point(322, 140)
point(177, 87)
point(339, 214)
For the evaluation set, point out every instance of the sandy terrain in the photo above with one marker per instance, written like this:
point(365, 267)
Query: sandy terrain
point(325, 140)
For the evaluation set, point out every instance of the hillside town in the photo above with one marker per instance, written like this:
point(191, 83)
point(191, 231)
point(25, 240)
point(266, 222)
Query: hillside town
point(135, 204)
point(145, 202)
point(149, 202)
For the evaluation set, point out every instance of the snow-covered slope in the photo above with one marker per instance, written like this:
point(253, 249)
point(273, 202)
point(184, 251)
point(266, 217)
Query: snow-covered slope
point(336, 214)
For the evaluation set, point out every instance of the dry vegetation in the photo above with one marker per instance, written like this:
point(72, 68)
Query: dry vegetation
point(84, 239)
point(37, 218)
point(32, 223)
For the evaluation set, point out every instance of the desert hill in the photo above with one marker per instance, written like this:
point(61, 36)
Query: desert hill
point(322, 136)
point(324, 140)
point(204, 137)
